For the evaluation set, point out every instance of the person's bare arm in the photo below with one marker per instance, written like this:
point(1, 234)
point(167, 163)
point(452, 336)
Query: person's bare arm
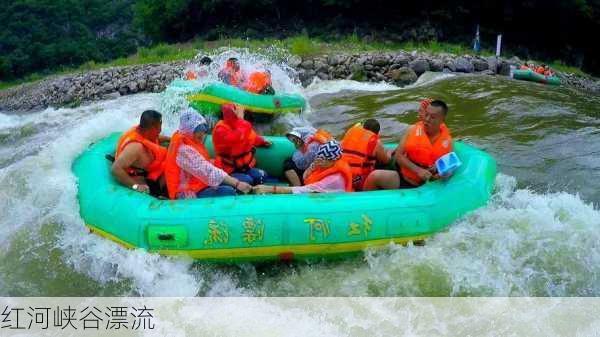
point(381, 154)
point(126, 159)
point(308, 171)
point(271, 189)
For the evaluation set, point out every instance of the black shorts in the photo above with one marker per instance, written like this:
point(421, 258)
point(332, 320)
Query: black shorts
point(156, 189)
point(289, 164)
point(403, 182)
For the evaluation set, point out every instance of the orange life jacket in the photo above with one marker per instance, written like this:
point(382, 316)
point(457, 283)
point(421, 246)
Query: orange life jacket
point(359, 145)
point(420, 151)
point(191, 75)
point(321, 137)
point(257, 82)
point(156, 168)
point(173, 171)
point(540, 70)
point(340, 166)
point(240, 157)
point(444, 128)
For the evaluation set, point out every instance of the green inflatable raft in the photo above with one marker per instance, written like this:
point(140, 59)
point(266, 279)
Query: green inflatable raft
point(271, 227)
point(530, 75)
point(208, 98)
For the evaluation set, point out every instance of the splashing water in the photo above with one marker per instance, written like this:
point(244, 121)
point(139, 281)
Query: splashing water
point(284, 78)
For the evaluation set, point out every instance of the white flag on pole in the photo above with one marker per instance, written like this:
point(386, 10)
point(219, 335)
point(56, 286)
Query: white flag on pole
point(498, 45)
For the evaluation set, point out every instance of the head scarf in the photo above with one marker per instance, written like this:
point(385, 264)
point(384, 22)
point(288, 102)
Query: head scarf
point(302, 132)
point(332, 150)
point(191, 121)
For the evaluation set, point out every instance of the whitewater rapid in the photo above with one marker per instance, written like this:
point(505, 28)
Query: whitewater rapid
point(525, 242)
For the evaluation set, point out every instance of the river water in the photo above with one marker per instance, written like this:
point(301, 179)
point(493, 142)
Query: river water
point(538, 236)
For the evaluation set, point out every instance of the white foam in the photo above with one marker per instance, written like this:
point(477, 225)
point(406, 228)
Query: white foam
point(430, 77)
point(523, 243)
point(8, 121)
point(318, 87)
point(41, 189)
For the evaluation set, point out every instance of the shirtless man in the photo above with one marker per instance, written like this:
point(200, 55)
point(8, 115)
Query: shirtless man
point(139, 158)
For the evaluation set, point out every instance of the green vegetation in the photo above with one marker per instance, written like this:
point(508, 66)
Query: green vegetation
point(560, 66)
point(303, 46)
point(145, 55)
point(41, 36)
point(535, 29)
point(300, 45)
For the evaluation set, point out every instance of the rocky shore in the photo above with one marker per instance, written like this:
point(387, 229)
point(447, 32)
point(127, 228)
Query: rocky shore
point(399, 68)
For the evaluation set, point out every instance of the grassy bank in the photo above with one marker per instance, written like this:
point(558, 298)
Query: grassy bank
point(299, 45)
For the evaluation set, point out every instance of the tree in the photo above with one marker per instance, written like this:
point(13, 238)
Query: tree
point(39, 35)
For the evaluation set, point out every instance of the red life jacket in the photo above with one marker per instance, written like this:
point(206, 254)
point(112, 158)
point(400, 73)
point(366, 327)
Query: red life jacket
point(173, 171)
point(420, 151)
point(340, 166)
point(359, 145)
point(234, 157)
point(156, 168)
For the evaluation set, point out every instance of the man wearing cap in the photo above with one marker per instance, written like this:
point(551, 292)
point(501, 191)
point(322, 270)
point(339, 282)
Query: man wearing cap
point(327, 174)
point(189, 172)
